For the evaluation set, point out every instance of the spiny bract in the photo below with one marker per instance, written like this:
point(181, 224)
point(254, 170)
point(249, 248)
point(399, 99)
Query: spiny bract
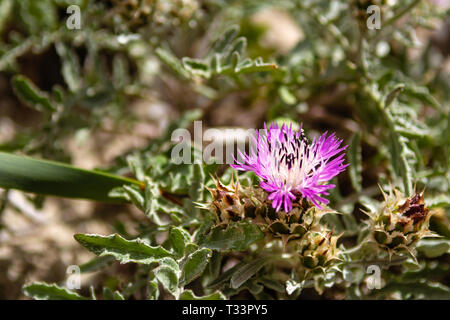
point(399, 222)
point(314, 244)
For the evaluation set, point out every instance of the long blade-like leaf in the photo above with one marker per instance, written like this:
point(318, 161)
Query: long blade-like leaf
point(58, 179)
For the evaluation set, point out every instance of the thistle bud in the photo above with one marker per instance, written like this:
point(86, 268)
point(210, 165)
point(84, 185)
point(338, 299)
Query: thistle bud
point(226, 202)
point(317, 249)
point(400, 222)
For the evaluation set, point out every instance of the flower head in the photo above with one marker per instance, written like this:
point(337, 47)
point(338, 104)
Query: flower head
point(290, 167)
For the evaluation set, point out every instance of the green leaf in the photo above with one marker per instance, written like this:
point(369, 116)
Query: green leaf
point(237, 236)
point(179, 238)
point(225, 276)
point(194, 265)
point(123, 250)
point(247, 271)
point(422, 94)
point(38, 16)
point(172, 61)
point(155, 203)
point(433, 248)
point(70, 68)
point(57, 179)
point(45, 291)
point(189, 295)
point(198, 178)
point(225, 39)
point(355, 159)
point(30, 95)
point(215, 264)
point(153, 290)
point(398, 148)
point(96, 264)
point(135, 196)
point(197, 67)
point(168, 277)
point(236, 50)
point(393, 94)
point(272, 284)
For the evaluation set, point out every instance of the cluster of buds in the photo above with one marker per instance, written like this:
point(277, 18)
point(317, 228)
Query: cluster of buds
point(234, 202)
point(399, 222)
point(314, 243)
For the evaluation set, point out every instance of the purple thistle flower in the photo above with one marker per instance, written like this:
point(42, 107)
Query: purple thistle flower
point(290, 167)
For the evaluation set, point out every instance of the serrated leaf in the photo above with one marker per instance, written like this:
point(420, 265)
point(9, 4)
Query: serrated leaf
point(398, 153)
point(236, 236)
point(189, 295)
point(194, 265)
point(410, 128)
point(45, 291)
point(123, 250)
point(30, 95)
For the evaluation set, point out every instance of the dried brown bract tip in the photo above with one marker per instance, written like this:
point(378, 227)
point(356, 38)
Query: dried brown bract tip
point(400, 222)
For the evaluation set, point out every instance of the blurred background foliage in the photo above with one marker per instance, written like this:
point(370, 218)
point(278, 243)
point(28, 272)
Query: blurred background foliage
point(109, 95)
